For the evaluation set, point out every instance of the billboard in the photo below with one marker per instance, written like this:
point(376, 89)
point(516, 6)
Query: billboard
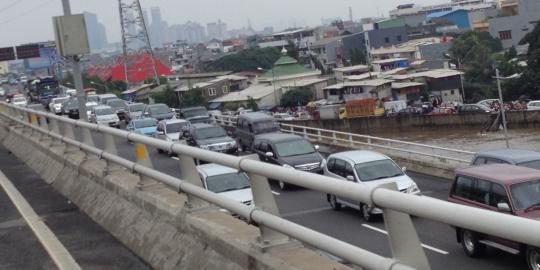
point(7, 54)
point(27, 51)
point(47, 57)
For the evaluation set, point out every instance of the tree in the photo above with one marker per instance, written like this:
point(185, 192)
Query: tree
point(292, 50)
point(357, 56)
point(296, 97)
point(318, 64)
point(167, 96)
point(193, 97)
point(247, 60)
point(251, 104)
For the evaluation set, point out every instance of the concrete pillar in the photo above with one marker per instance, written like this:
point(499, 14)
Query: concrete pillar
point(188, 172)
point(68, 133)
point(110, 147)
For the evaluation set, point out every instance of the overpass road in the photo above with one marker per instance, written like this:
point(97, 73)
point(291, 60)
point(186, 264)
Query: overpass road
point(309, 208)
point(90, 245)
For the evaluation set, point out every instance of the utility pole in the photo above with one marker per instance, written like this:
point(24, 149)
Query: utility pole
point(502, 107)
point(77, 75)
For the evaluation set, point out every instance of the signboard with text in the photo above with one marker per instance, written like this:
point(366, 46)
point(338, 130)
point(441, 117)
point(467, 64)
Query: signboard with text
point(7, 54)
point(27, 51)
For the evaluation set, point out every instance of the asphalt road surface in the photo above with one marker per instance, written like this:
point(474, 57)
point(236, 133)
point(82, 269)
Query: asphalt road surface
point(89, 244)
point(309, 208)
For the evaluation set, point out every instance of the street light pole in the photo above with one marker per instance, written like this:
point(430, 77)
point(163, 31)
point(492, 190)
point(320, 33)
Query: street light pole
point(461, 78)
point(502, 107)
point(274, 85)
point(77, 75)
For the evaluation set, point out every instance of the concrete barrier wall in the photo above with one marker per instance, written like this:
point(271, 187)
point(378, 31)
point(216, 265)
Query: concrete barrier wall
point(382, 125)
point(153, 222)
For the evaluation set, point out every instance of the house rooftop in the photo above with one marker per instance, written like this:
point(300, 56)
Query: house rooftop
point(352, 68)
point(376, 82)
point(255, 91)
point(391, 60)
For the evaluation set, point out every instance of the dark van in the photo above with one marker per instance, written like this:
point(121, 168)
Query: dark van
point(250, 124)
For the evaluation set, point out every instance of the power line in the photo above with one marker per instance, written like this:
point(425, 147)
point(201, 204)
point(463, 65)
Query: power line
point(26, 12)
point(10, 5)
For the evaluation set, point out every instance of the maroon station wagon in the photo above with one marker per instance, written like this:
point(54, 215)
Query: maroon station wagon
point(503, 188)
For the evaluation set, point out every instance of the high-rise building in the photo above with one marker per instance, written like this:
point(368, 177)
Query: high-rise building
point(157, 29)
point(217, 30)
point(97, 35)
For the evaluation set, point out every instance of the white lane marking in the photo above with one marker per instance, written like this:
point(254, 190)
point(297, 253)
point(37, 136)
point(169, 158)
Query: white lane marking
point(423, 245)
point(275, 193)
point(175, 158)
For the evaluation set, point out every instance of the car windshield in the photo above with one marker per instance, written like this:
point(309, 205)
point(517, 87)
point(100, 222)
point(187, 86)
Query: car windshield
point(92, 99)
point(526, 194)
point(105, 111)
point(294, 148)
point(21, 99)
point(534, 164)
point(379, 169)
point(227, 182)
point(175, 127)
point(195, 113)
point(159, 109)
point(60, 100)
point(144, 123)
point(135, 107)
point(266, 126)
point(116, 103)
point(210, 132)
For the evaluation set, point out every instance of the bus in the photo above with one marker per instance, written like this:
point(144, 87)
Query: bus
point(42, 90)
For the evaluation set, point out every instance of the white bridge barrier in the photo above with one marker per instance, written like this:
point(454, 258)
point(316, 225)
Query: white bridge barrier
point(397, 207)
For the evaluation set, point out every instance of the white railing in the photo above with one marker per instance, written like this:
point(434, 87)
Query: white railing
point(397, 206)
point(346, 139)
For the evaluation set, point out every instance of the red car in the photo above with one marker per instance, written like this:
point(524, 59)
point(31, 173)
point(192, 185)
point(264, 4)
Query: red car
point(503, 188)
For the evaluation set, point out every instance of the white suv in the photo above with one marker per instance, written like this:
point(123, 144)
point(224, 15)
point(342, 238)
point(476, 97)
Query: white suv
point(104, 115)
point(366, 168)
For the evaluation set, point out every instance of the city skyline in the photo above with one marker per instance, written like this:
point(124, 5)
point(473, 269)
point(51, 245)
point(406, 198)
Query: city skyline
point(18, 18)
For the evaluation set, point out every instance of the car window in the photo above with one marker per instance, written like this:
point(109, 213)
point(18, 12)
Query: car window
point(482, 192)
point(498, 195)
point(348, 170)
point(339, 167)
point(494, 161)
point(379, 169)
point(264, 147)
point(330, 164)
point(526, 194)
point(535, 164)
point(464, 187)
point(479, 161)
point(294, 148)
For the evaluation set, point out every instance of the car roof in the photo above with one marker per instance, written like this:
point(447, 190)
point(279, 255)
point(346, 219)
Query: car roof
point(511, 155)
point(202, 125)
point(277, 137)
point(102, 107)
point(145, 118)
point(504, 174)
point(156, 104)
point(192, 108)
point(359, 156)
point(212, 169)
point(172, 121)
point(254, 116)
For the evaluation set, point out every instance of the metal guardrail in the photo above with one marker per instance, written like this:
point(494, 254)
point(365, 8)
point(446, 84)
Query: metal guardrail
point(397, 207)
point(351, 139)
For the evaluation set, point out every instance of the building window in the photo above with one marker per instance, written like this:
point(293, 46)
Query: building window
point(225, 89)
point(212, 91)
point(387, 39)
point(451, 92)
point(505, 35)
point(399, 38)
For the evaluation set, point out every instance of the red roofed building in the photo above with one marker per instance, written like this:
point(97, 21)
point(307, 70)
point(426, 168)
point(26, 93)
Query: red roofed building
point(140, 69)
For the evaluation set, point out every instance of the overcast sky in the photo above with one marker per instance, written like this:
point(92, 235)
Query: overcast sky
point(23, 21)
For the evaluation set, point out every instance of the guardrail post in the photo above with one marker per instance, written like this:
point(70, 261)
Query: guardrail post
point(404, 242)
point(110, 147)
point(68, 132)
point(304, 131)
point(264, 200)
point(319, 137)
point(43, 122)
point(369, 143)
point(334, 140)
point(142, 157)
point(87, 136)
point(188, 173)
point(351, 143)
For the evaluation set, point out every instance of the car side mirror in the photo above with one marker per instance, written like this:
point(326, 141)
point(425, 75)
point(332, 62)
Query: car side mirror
point(161, 132)
point(350, 178)
point(404, 169)
point(317, 147)
point(504, 207)
point(269, 154)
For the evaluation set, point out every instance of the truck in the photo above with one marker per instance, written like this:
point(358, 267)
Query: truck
point(360, 108)
point(393, 107)
point(330, 111)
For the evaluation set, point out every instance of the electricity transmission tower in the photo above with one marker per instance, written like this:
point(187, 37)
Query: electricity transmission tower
point(134, 37)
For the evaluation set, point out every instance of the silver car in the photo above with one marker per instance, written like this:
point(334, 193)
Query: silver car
point(171, 130)
point(369, 169)
point(226, 181)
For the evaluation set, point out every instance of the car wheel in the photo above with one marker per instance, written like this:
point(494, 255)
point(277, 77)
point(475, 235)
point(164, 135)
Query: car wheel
point(533, 258)
point(283, 185)
point(333, 202)
point(366, 215)
point(471, 246)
